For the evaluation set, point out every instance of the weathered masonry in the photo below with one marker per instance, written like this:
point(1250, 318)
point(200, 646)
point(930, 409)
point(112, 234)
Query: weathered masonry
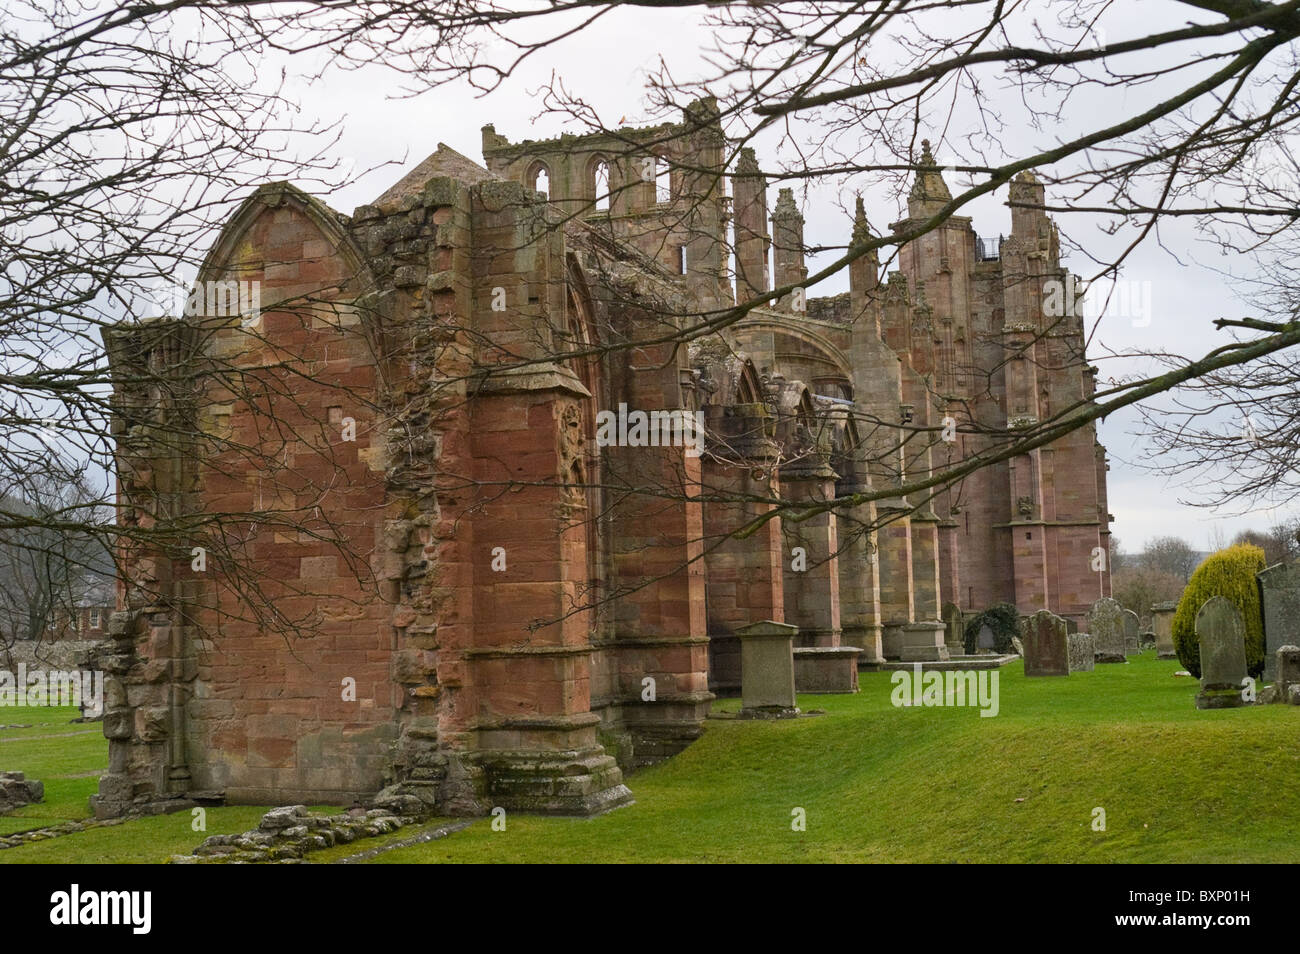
point(486, 604)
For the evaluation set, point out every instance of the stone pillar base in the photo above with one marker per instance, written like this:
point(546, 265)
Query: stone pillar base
point(923, 642)
point(661, 729)
point(549, 765)
point(724, 662)
point(869, 642)
point(891, 640)
point(580, 783)
point(818, 638)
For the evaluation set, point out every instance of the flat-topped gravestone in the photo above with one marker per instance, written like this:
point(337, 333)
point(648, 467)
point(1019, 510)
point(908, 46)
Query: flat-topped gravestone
point(826, 668)
point(1222, 638)
point(1132, 638)
point(1162, 622)
point(767, 669)
point(1081, 651)
point(1280, 587)
point(1045, 653)
point(1106, 624)
point(954, 635)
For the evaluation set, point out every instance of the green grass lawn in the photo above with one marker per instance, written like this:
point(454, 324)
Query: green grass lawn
point(877, 783)
point(66, 756)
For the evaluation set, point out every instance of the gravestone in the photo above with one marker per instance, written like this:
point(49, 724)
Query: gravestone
point(1045, 653)
point(1106, 624)
point(1081, 652)
point(1280, 587)
point(1222, 638)
point(1288, 674)
point(954, 636)
point(767, 669)
point(1071, 625)
point(1162, 621)
point(985, 640)
point(1132, 639)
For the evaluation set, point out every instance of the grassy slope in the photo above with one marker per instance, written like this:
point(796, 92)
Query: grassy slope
point(915, 784)
point(877, 783)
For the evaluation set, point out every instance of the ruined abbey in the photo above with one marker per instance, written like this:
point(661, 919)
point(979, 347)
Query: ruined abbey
point(535, 598)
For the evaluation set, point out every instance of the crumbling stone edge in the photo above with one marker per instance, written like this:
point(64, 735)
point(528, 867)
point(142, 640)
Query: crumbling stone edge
point(55, 831)
point(442, 831)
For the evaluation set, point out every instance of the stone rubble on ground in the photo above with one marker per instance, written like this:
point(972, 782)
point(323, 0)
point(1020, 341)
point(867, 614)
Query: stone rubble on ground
point(16, 790)
point(288, 833)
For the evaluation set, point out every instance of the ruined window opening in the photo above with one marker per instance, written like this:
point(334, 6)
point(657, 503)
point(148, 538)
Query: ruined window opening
point(542, 181)
point(681, 260)
point(663, 181)
point(602, 186)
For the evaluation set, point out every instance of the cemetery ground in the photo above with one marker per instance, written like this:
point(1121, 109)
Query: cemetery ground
point(877, 783)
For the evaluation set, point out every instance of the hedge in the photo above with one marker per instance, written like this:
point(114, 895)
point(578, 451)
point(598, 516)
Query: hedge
point(1228, 573)
point(1003, 619)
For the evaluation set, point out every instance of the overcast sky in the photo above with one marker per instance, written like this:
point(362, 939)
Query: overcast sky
point(607, 65)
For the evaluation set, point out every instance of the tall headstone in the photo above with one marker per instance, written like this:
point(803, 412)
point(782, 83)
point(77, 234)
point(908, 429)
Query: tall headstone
point(1081, 651)
point(1106, 624)
point(1046, 653)
point(985, 641)
point(1222, 638)
point(1132, 638)
point(1162, 621)
point(767, 668)
point(1280, 587)
point(954, 630)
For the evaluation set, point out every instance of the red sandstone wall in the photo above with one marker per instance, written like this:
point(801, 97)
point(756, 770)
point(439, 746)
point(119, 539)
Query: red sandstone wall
point(268, 721)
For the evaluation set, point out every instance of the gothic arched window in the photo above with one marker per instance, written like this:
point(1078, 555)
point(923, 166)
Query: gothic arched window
point(601, 182)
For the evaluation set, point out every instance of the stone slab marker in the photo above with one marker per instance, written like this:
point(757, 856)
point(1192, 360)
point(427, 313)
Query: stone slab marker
point(1162, 621)
point(1288, 674)
point(1280, 587)
point(1081, 651)
point(826, 668)
point(1106, 624)
point(767, 668)
point(1045, 635)
point(1222, 638)
point(1132, 637)
point(954, 630)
